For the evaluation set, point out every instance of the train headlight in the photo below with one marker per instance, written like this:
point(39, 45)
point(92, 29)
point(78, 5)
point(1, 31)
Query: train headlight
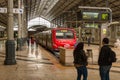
point(55, 46)
point(66, 46)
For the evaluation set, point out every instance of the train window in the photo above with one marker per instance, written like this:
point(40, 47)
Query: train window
point(64, 34)
point(69, 35)
point(59, 35)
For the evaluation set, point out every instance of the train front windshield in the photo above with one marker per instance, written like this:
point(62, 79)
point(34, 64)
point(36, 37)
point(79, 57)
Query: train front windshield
point(64, 34)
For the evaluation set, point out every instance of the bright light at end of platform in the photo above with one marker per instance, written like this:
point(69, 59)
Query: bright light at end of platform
point(38, 21)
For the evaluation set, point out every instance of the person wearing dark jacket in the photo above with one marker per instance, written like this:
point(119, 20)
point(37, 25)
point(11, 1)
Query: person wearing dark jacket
point(80, 61)
point(103, 60)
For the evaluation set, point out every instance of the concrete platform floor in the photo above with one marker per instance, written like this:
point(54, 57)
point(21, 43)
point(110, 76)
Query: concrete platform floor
point(39, 64)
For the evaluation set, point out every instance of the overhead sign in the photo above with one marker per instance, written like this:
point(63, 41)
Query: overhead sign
point(3, 10)
point(88, 15)
point(15, 10)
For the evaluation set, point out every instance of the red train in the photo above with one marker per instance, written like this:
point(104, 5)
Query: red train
point(57, 37)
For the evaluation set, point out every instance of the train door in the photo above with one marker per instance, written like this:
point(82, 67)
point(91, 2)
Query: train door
point(49, 41)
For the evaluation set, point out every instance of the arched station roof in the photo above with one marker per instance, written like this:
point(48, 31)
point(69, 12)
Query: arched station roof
point(61, 10)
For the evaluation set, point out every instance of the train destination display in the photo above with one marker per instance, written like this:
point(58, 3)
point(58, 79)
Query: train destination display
point(93, 16)
point(90, 15)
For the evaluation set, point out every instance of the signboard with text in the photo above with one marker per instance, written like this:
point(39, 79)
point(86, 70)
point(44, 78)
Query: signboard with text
point(15, 10)
point(93, 16)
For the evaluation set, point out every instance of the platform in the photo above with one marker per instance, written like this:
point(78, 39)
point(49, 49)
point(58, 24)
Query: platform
point(39, 64)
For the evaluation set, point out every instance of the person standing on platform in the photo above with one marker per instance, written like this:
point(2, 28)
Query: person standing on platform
point(89, 40)
point(32, 42)
point(80, 61)
point(103, 60)
point(28, 40)
point(36, 41)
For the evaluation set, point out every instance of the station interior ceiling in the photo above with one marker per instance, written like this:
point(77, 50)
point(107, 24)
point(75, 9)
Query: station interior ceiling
point(55, 9)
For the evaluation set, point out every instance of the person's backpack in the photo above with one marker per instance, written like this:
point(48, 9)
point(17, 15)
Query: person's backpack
point(112, 57)
point(32, 41)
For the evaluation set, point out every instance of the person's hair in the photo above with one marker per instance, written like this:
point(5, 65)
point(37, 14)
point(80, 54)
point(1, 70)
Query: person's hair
point(79, 46)
point(105, 41)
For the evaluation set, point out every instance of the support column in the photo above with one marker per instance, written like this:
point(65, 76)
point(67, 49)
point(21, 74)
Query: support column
point(79, 38)
point(10, 43)
point(19, 39)
point(26, 17)
point(23, 24)
point(24, 27)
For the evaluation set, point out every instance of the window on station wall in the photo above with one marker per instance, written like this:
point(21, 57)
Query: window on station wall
point(91, 25)
point(108, 32)
point(118, 31)
point(113, 32)
point(1, 34)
